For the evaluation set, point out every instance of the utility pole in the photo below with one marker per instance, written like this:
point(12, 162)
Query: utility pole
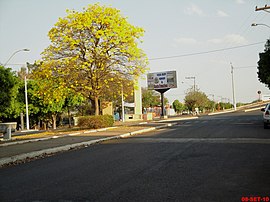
point(233, 88)
point(265, 8)
point(26, 102)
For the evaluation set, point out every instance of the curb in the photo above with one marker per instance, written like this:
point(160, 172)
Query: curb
point(222, 112)
point(20, 157)
point(34, 154)
point(253, 109)
point(177, 119)
point(54, 137)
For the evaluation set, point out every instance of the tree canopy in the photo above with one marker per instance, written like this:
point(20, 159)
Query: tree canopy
point(178, 106)
point(9, 85)
point(196, 99)
point(51, 93)
point(264, 65)
point(151, 98)
point(93, 50)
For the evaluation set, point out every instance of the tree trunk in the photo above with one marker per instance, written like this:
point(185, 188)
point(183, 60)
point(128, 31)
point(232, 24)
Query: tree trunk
point(96, 106)
point(69, 118)
point(44, 125)
point(22, 121)
point(39, 124)
point(54, 121)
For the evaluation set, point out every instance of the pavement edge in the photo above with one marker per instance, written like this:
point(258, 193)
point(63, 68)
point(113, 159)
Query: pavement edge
point(35, 154)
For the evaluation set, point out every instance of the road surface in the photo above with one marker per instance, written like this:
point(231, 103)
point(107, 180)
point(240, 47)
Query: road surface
point(213, 158)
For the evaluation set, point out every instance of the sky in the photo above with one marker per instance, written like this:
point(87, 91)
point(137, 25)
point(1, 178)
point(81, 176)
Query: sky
point(196, 38)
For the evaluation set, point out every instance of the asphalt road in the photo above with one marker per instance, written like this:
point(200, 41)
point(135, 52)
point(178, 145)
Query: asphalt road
point(213, 158)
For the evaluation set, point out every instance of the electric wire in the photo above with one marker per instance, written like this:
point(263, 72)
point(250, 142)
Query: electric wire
point(205, 52)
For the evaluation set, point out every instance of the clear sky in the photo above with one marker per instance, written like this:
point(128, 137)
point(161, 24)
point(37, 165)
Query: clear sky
point(173, 28)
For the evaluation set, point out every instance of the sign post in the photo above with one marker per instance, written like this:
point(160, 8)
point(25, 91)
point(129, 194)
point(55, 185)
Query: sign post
point(162, 82)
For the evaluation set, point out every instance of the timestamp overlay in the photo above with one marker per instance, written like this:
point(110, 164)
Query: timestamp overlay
point(255, 198)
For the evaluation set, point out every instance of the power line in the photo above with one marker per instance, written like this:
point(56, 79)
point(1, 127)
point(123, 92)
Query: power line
point(206, 52)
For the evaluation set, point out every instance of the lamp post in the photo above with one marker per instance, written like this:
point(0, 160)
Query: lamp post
point(25, 50)
point(26, 102)
point(256, 24)
point(25, 85)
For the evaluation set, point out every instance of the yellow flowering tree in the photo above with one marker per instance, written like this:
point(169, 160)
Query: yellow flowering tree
point(93, 50)
point(49, 93)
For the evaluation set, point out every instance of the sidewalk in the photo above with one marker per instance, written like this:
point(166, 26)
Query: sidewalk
point(28, 145)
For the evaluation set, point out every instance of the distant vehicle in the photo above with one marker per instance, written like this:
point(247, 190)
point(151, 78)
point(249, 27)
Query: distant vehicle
point(266, 116)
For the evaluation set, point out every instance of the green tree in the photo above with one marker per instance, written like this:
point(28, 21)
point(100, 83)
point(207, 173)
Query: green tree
point(9, 85)
point(92, 49)
point(211, 105)
point(150, 98)
point(264, 65)
point(178, 106)
point(71, 102)
point(196, 99)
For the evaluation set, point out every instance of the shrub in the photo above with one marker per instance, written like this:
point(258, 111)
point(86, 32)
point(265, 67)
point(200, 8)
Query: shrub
point(100, 121)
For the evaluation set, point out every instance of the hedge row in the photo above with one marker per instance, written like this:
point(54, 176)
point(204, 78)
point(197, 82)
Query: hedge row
point(100, 121)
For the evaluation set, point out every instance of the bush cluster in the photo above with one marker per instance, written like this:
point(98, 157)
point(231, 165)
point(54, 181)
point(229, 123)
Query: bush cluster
point(100, 121)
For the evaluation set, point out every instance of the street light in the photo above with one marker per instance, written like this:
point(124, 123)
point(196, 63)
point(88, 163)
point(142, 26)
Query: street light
point(25, 50)
point(256, 24)
point(25, 85)
point(26, 102)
